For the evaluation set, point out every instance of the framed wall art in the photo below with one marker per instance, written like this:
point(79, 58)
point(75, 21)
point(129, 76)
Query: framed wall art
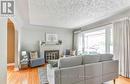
point(51, 38)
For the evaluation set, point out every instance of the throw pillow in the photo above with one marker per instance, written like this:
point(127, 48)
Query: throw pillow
point(33, 55)
point(72, 52)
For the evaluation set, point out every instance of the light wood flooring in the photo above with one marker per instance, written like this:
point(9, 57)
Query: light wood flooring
point(30, 76)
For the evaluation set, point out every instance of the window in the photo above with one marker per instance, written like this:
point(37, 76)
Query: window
point(97, 41)
point(94, 42)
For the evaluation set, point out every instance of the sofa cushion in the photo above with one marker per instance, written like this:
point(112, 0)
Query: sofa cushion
point(36, 62)
point(105, 57)
point(70, 61)
point(91, 59)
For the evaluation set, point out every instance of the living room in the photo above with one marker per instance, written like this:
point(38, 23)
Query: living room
point(65, 42)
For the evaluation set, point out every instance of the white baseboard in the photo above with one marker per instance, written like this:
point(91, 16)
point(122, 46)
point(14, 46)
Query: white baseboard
point(13, 64)
point(10, 64)
point(16, 69)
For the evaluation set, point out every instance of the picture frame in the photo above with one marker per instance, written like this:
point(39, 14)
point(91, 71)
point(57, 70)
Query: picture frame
point(51, 38)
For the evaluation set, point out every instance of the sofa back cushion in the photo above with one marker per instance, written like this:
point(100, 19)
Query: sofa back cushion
point(70, 61)
point(110, 70)
point(91, 59)
point(105, 57)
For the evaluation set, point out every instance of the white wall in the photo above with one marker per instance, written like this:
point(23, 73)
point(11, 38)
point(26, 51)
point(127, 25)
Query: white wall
point(31, 35)
point(3, 50)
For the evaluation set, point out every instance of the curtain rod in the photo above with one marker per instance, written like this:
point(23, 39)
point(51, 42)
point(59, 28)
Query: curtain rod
point(82, 29)
point(89, 28)
point(104, 24)
point(85, 28)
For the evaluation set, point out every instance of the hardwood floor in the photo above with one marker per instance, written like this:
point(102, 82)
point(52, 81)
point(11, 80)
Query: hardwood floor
point(26, 76)
point(30, 76)
point(123, 80)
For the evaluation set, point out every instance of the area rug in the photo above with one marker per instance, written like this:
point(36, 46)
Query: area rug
point(42, 75)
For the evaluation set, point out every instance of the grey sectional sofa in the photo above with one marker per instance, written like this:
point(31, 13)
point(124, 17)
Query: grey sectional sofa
point(89, 69)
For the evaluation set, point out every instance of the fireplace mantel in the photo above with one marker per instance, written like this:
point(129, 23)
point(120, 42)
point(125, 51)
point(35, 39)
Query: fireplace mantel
point(50, 47)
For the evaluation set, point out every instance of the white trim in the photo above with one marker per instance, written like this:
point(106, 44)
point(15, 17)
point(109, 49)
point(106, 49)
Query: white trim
point(10, 64)
point(121, 19)
point(3, 50)
point(98, 28)
point(16, 69)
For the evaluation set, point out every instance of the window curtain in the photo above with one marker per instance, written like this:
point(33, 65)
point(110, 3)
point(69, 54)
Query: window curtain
point(78, 42)
point(121, 37)
point(75, 41)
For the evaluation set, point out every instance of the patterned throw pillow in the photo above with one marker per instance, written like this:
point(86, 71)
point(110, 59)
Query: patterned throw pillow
point(33, 55)
point(72, 52)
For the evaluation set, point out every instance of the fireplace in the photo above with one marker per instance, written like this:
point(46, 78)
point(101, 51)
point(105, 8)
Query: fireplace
point(51, 55)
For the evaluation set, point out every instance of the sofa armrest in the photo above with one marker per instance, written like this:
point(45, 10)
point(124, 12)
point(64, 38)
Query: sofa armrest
point(110, 70)
point(110, 67)
point(53, 74)
point(49, 66)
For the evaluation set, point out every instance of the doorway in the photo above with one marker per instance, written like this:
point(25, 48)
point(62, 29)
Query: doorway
point(10, 43)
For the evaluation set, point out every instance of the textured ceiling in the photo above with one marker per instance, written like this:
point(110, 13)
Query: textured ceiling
point(72, 13)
